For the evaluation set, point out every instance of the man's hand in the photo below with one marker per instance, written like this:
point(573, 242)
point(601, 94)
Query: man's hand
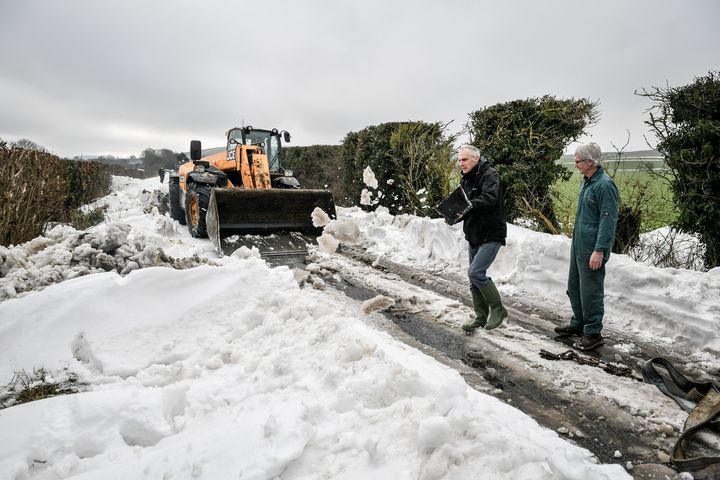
point(596, 260)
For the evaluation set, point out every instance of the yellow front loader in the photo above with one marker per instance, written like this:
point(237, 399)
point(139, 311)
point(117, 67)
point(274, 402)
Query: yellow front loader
point(244, 196)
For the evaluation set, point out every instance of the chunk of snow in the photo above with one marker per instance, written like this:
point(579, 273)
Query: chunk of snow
point(376, 304)
point(369, 177)
point(245, 252)
point(328, 243)
point(320, 218)
point(365, 197)
point(346, 231)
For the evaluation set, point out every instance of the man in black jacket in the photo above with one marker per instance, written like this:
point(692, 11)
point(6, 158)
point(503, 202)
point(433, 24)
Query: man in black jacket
point(485, 230)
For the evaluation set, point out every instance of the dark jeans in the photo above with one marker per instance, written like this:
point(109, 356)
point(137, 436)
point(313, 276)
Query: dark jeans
point(481, 258)
point(586, 289)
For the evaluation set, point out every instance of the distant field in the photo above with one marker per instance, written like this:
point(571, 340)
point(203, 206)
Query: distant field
point(657, 203)
point(630, 161)
point(628, 164)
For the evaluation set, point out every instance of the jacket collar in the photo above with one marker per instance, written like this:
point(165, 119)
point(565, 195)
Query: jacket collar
point(480, 167)
point(598, 173)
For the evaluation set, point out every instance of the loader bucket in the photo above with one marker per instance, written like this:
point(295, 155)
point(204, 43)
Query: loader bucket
point(277, 221)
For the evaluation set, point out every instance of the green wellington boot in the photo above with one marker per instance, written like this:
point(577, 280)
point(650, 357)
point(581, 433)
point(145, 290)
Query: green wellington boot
point(498, 314)
point(481, 312)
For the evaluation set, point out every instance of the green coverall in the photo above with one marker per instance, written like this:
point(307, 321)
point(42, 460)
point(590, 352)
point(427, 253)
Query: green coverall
point(594, 230)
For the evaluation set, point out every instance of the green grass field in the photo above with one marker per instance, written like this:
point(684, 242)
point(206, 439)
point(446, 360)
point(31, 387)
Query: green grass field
point(636, 186)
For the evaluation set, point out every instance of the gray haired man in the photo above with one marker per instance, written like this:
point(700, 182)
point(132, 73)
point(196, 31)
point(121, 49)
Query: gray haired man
point(592, 241)
point(485, 230)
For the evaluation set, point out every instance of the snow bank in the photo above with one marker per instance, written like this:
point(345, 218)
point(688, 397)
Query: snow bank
point(236, 372)
point(677, 305)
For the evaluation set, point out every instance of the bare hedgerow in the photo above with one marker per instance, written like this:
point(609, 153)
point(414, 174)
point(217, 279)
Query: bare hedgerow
point(82, 219)
point(669, 248)
point(37, 187)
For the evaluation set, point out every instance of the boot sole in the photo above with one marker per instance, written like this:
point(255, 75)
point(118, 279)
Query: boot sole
point(473, 328)
point(592, 346)
point(470, 331)
point(570, 334)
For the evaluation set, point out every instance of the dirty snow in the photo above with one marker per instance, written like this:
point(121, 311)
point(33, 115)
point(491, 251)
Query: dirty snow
point(234, 369)
point(668, 305)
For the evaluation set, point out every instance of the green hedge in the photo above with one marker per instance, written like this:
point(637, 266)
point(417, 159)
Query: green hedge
point(317, 166)
point(411, 162)
point(523, 139)
point(686, 120)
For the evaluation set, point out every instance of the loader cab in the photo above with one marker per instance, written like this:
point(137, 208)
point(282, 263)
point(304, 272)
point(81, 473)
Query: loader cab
point(268, 140)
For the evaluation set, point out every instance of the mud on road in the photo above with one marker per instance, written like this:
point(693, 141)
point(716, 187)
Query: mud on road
point(618, 418)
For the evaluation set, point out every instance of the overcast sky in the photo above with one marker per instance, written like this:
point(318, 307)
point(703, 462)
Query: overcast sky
point(115, 77)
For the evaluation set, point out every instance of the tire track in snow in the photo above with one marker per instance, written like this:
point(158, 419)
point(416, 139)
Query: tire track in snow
point(601, 412)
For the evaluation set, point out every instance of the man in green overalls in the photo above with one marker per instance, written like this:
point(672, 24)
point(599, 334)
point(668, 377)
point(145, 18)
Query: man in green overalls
point(592, 241)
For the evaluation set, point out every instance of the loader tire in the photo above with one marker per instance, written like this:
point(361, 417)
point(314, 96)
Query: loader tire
point(176, 211)
point(196, 205)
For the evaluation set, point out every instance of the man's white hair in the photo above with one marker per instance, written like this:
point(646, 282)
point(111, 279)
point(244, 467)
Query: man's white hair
point(589, 152)
point(470, 148)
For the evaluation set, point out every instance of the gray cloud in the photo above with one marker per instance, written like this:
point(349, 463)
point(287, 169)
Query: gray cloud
point(86, 77)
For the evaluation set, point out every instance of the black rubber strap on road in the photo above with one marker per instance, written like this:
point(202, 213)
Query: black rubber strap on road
point(675, 385)
point(704, 415)
point(701, 400)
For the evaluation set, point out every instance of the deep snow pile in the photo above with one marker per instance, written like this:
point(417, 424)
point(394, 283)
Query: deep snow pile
point(251, 376)
point(235, 370)
point(64, 252)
